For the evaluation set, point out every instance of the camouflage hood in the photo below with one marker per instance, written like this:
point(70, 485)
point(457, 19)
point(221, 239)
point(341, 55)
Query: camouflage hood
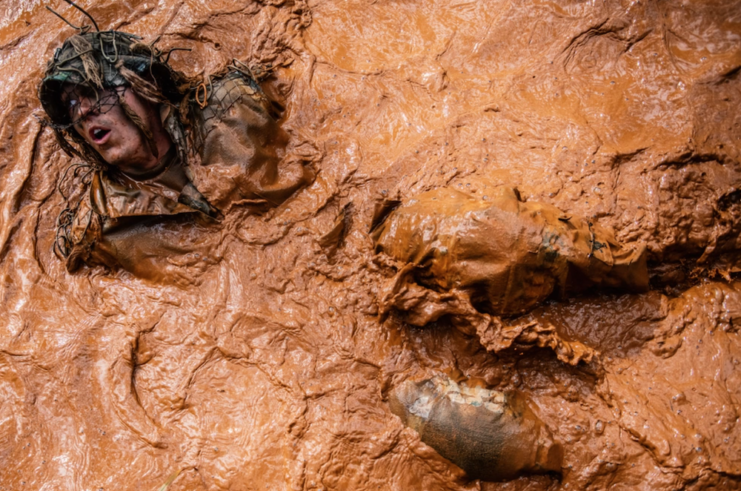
point(101, 60)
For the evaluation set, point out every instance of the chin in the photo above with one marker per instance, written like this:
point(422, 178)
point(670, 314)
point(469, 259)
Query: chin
point(118, 159)
point(114, 161)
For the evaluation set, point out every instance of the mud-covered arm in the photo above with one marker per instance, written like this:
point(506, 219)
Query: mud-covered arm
point(164, 249)
point(503, 254)
point(158, 248)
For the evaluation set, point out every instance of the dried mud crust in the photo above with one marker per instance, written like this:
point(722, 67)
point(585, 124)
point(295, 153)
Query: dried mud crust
point(269, 368)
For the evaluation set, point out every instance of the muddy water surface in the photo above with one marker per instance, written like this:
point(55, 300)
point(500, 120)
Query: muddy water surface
point(264, 365)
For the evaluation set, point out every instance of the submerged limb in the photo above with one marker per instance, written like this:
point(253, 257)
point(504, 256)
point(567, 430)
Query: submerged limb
point(503, 255)
point(491, 435)
point(162, 249)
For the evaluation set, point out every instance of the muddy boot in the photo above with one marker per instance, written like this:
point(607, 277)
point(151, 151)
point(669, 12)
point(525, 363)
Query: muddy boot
point(491, 435)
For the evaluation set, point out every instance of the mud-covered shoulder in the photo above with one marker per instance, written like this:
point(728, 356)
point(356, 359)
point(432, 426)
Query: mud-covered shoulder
point(210, 101)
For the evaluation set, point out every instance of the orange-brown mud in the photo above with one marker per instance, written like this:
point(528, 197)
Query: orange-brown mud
point(262, 364)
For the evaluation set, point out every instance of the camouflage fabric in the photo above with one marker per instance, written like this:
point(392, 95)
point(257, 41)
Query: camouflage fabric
point(100, 60)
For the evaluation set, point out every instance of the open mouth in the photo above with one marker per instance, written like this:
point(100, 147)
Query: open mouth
point(99, 135)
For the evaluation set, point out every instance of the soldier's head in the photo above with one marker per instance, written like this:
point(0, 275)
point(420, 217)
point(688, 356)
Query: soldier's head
point(108, 97)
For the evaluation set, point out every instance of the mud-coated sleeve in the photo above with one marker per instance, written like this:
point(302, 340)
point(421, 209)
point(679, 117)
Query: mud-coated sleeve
point(245, 155)
point(501, 256)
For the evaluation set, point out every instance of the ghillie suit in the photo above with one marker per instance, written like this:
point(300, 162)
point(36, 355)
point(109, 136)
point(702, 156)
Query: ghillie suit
point(225, 137)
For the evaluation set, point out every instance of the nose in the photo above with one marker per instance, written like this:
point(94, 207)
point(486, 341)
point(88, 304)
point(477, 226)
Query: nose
point(85, 107)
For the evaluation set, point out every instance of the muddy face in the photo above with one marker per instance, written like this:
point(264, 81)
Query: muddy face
point(103, 123)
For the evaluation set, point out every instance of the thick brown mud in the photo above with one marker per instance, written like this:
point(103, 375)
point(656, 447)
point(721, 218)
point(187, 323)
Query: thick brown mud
point(260, 361)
